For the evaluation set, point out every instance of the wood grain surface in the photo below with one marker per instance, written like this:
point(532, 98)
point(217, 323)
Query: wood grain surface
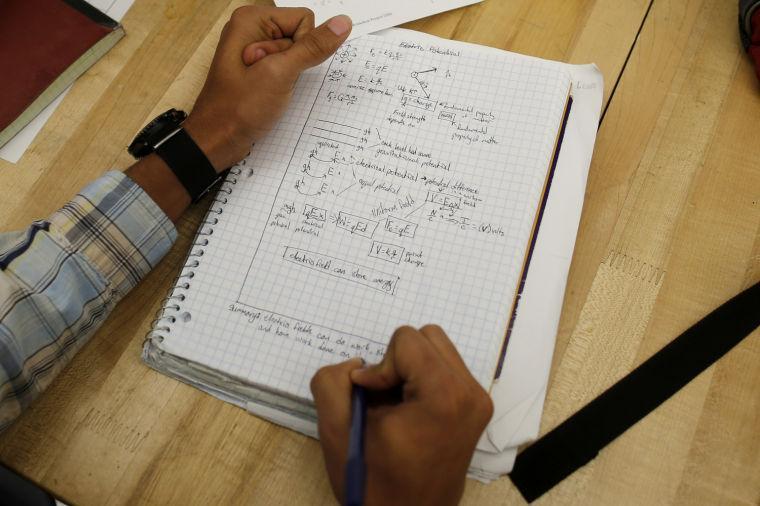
point(670, 229)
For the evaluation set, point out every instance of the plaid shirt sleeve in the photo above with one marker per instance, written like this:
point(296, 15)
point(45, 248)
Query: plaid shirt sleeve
point(60, 278)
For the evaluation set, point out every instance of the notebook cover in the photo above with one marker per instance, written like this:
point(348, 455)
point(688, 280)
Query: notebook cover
point(40, 40)
point(534, 236)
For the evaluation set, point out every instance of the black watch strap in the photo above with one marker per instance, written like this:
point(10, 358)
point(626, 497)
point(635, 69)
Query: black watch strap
point(188, 162)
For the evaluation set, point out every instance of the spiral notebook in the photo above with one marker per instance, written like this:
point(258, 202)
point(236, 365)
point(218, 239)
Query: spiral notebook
point(404, 185)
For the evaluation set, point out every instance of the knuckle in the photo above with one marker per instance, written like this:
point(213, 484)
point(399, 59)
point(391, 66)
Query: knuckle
point(406, 338)
point(307, 13)
point(478, 405)
point(239, 14)
point(432, 328)
point(403, 332)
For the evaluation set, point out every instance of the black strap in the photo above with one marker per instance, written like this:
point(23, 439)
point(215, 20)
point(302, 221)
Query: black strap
point(17, 490)
point(189, 163)
point(577, 440)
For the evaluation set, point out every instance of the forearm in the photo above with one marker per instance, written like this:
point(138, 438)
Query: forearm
point(160, 183)
point(60, 278)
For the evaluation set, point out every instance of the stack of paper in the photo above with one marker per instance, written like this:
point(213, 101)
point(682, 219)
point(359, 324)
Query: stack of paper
point(519, 393)
point(403, 186)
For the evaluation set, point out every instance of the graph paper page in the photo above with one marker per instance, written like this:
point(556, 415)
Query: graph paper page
point(401, 187)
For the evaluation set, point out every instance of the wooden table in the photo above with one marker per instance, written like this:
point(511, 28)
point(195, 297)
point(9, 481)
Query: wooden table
point(670, 229)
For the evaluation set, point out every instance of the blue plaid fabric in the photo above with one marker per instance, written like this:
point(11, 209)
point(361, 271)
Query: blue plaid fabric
point(61, 277)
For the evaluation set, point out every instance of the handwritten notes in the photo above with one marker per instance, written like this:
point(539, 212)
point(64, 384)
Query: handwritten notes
point(401, 188)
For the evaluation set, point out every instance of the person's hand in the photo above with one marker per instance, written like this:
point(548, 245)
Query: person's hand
point(261, 53)
point(422, 427)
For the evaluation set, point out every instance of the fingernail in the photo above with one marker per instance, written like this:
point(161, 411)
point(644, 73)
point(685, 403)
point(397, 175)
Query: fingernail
point(339, 24)
point(259, 54)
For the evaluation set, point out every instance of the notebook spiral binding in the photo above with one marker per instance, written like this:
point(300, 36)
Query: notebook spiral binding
point(171, 310)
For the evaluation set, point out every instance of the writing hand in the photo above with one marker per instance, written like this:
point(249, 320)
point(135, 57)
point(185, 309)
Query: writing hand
point(422, 425)
point(245, 94)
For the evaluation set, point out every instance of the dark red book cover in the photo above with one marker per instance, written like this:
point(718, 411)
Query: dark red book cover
point(40, 40)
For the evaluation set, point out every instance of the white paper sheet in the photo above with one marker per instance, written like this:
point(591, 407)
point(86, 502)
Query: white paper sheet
point(14, 149)
point(369, 17)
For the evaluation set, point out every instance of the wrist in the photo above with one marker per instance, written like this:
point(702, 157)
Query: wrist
point(219, 142)
point(157, 180)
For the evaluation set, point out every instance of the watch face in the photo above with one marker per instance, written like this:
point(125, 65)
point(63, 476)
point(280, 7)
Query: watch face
point(155, 131)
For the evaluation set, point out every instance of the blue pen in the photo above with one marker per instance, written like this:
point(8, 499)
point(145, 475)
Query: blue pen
point(355, 465)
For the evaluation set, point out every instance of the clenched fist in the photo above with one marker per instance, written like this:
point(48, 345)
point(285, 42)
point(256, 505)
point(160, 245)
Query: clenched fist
point(261, 53)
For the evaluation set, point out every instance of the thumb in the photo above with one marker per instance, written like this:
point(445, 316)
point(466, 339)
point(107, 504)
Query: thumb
point(317, 45)
point(384, 375)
